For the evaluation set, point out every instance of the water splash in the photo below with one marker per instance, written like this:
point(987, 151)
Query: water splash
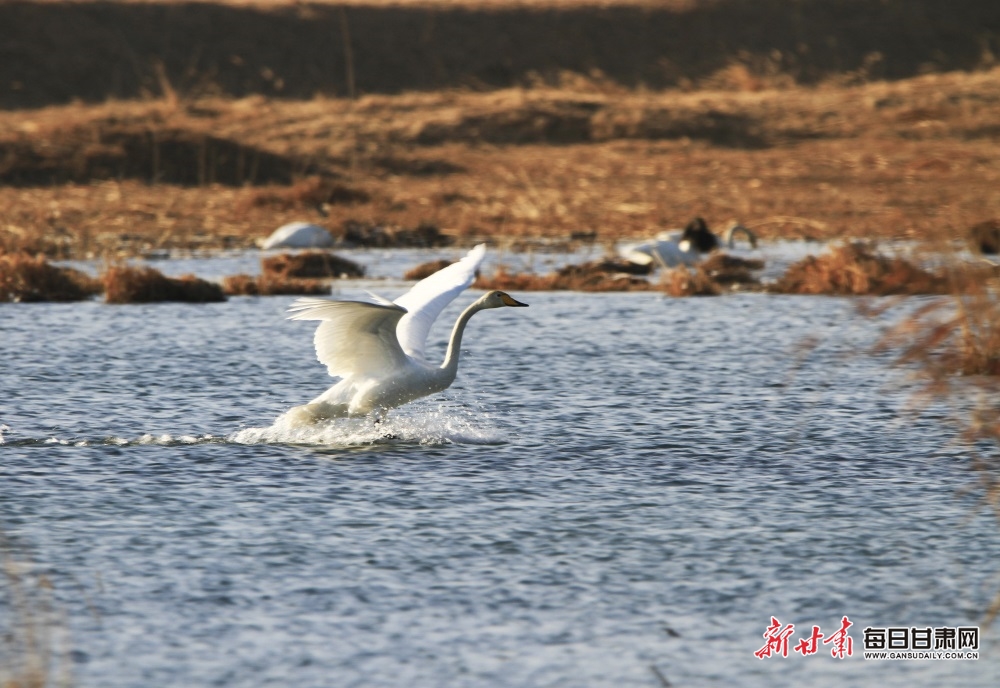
point(444, 426)
point(113, 441)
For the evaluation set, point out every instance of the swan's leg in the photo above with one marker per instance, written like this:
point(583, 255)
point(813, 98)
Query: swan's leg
point(380, 415)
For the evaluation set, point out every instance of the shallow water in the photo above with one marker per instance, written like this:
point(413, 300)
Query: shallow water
point(389, 265)
point(616, 482)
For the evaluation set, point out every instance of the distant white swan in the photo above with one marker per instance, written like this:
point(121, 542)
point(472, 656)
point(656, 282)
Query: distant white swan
point(378, 348)
point(683, 247)
point(298, 235)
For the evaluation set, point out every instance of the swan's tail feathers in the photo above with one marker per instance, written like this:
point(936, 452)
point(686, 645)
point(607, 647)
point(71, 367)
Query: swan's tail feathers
point(310, 414)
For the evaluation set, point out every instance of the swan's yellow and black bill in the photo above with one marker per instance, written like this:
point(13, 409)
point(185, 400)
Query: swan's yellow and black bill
point(509, 301)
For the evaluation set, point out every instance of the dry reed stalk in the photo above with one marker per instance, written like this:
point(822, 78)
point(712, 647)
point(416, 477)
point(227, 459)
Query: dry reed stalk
point(952, 345)
point(28, 658)
point(124, 284)
point(32, 278)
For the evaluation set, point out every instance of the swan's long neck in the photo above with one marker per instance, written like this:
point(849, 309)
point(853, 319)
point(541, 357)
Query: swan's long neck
point(450, 365)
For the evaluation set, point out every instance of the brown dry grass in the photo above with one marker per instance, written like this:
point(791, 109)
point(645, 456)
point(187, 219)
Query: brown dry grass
point(311, 192)
point(274, 285)
point(714, 276)
point(426, 269)
point(855, 269)
point(951, 346)
point(883, 160)
point(29, 278)
point(684, 281)
point(596, 276)
point(124, 284)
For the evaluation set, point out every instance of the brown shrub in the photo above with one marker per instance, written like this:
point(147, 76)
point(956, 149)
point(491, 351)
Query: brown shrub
point(856, 269)
point(124, 284)
point(274, 285)
point(426, 269)
point(32, 278)
point(312, 264)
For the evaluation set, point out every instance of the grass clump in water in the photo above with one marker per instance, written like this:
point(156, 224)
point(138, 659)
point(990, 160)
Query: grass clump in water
point(28, 278)
point(274, 285)
point(310, 264)
point(856, 269)
point(426, 269)
point(125, 284)
point(689, 282)
point(718, 273)
point(595, 276)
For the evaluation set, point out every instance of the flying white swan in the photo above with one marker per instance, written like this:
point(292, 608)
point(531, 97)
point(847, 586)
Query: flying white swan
point(377, 349)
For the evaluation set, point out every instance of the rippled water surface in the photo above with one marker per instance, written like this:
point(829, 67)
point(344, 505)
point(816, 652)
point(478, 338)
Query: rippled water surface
point(617, 485)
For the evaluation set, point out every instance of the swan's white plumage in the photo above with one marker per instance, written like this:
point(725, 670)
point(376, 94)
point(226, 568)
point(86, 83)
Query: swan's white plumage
point(378, 348)
point(354, 338)
point(428, 297)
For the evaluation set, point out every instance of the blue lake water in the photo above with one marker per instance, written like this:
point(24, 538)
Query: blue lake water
point(617, 485)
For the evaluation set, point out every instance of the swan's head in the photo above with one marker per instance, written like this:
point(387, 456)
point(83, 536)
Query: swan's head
point(499, 299)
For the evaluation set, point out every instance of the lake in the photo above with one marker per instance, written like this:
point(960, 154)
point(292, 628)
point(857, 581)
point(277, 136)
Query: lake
point(618, 488)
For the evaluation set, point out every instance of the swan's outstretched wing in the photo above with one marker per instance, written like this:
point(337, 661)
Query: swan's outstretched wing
point(428, 297)
point(354, 337)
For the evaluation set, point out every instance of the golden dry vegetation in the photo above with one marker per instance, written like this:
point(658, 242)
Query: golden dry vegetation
point(648, 115)
point(126, 284)
point(890, 160)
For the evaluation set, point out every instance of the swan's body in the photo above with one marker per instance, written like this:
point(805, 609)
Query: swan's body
point(683, 247)
point(377, 349)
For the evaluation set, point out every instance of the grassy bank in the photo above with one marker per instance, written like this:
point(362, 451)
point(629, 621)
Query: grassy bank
point(909, 159)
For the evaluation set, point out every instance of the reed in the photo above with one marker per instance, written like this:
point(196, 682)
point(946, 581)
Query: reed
point(29, 627)
point(951, 346)
point(28, 278)
point(125, 284)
